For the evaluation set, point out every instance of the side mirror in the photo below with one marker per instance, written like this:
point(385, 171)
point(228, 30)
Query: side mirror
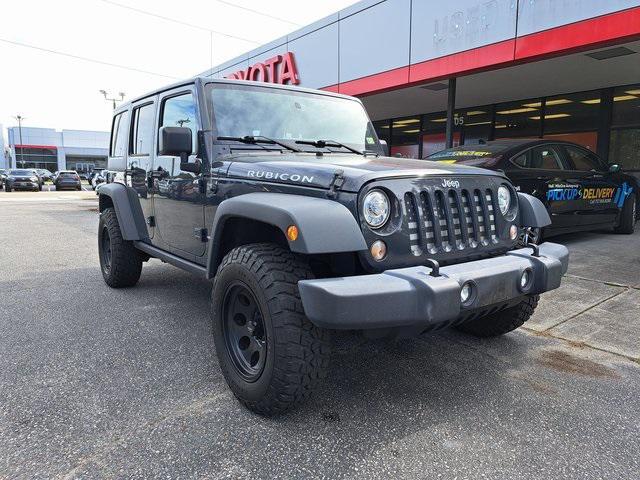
point(614, 168)
point(177, 142)
point(385, 147)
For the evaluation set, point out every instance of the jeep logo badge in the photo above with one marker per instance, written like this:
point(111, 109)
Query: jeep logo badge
point(450, 183)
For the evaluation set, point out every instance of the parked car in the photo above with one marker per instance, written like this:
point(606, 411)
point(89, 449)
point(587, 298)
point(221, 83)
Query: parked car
point(68, 179)
point(98, 176)
point(22, 179)
point(3, 177)
point(45, 175)
point(579, 189)
point(311, 228)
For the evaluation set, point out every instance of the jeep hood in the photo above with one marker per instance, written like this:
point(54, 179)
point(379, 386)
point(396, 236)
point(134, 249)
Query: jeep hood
point(311, 170)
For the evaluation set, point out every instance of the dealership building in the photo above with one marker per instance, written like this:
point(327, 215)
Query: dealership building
point(433, 74)
point(47, 148)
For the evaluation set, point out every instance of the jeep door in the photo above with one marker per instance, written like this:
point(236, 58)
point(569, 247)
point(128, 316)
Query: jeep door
point(140, 154)
point(543, 172)
point(178, 200)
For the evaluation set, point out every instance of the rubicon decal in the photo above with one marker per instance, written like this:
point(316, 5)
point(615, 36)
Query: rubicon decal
point(292, 177)
point(280, 69)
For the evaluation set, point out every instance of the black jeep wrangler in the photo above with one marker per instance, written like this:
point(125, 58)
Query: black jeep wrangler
point(283, 196)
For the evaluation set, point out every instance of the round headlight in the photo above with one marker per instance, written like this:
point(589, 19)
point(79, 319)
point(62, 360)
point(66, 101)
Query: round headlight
point(376, 208)
point(504, 199)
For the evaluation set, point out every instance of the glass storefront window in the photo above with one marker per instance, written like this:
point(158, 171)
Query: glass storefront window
point(37, 157)
point(624, 148)
point(476, 124)
point(626, 107)
point(383, 129)
point(573, 118)
point(404, 137)
point(518, 119)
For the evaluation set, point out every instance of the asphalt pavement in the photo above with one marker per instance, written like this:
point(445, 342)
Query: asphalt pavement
point(102, 383)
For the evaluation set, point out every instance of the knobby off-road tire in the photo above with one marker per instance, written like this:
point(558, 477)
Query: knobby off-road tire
point(502, 322)
point(256, 305)
point(628, 216)
point(120, 261)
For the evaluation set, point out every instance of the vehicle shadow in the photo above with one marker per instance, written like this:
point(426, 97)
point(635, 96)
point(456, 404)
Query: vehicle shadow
point(139, 365)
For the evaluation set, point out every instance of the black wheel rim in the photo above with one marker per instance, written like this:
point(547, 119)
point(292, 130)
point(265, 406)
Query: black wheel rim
point(105, 250)
point(244, 332)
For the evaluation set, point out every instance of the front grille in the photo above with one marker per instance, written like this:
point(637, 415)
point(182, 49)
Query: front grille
point(442, 221)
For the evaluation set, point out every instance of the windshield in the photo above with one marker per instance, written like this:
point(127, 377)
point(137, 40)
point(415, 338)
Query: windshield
point(286, 115)
point(485, 156)
point(21, 172)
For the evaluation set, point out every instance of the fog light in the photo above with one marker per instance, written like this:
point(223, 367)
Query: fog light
point(292, 233)
point(465, 293)
point(378, 250)
point(513, 232)
point(525, 279)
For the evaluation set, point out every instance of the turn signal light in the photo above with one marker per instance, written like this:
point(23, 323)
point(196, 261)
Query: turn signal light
point(378, 250)
point(292, 233)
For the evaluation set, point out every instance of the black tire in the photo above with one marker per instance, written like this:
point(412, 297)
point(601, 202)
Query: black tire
point(502, 322)
point(627, 222)
point(120, 261)
point(294, 353)
point(40, 187)
point(7, 188)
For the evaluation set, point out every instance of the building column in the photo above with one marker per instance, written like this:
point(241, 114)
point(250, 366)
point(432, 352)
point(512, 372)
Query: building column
point(62, 162)
point(451, 109)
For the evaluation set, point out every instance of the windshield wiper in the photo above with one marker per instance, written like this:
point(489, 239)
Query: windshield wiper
point(328, 143)
point(254, 140)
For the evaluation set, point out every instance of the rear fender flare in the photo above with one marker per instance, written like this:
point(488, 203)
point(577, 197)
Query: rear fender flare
point(128, 210)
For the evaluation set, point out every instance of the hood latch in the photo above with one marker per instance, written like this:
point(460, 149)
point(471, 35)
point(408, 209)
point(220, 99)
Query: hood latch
point(336, 183)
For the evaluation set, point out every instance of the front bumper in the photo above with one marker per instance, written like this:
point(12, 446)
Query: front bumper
point(24, 185)
point(411, 297)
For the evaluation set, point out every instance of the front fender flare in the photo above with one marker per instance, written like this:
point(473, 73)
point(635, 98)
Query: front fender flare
point(324, 226)
point(128, 210)
point(532, 212)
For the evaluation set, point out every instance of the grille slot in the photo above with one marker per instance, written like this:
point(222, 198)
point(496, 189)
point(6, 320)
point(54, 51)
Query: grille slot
point(444, 220)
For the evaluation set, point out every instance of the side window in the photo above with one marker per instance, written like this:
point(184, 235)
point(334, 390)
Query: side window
point(142, 130)
point(545, 158)
point(119, 135)
point(521, 161)
point(582, 160)
point(180, 111)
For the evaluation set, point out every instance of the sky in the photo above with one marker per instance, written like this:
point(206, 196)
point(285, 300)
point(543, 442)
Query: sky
point(56, 91)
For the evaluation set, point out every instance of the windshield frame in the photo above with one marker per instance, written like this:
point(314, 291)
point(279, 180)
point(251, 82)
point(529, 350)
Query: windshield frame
point(374, 148)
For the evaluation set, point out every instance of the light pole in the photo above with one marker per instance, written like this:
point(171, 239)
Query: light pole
point(114, 100)
point(19, 118)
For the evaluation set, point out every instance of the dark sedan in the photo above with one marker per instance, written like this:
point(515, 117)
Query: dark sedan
point(22, 179)
point(580, 190)
point(68, 179)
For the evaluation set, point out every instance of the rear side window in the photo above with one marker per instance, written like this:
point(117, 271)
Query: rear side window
point(119, 135)
point(180, 111)
point(582, 160)
point(545, 158)
point(142, 130)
